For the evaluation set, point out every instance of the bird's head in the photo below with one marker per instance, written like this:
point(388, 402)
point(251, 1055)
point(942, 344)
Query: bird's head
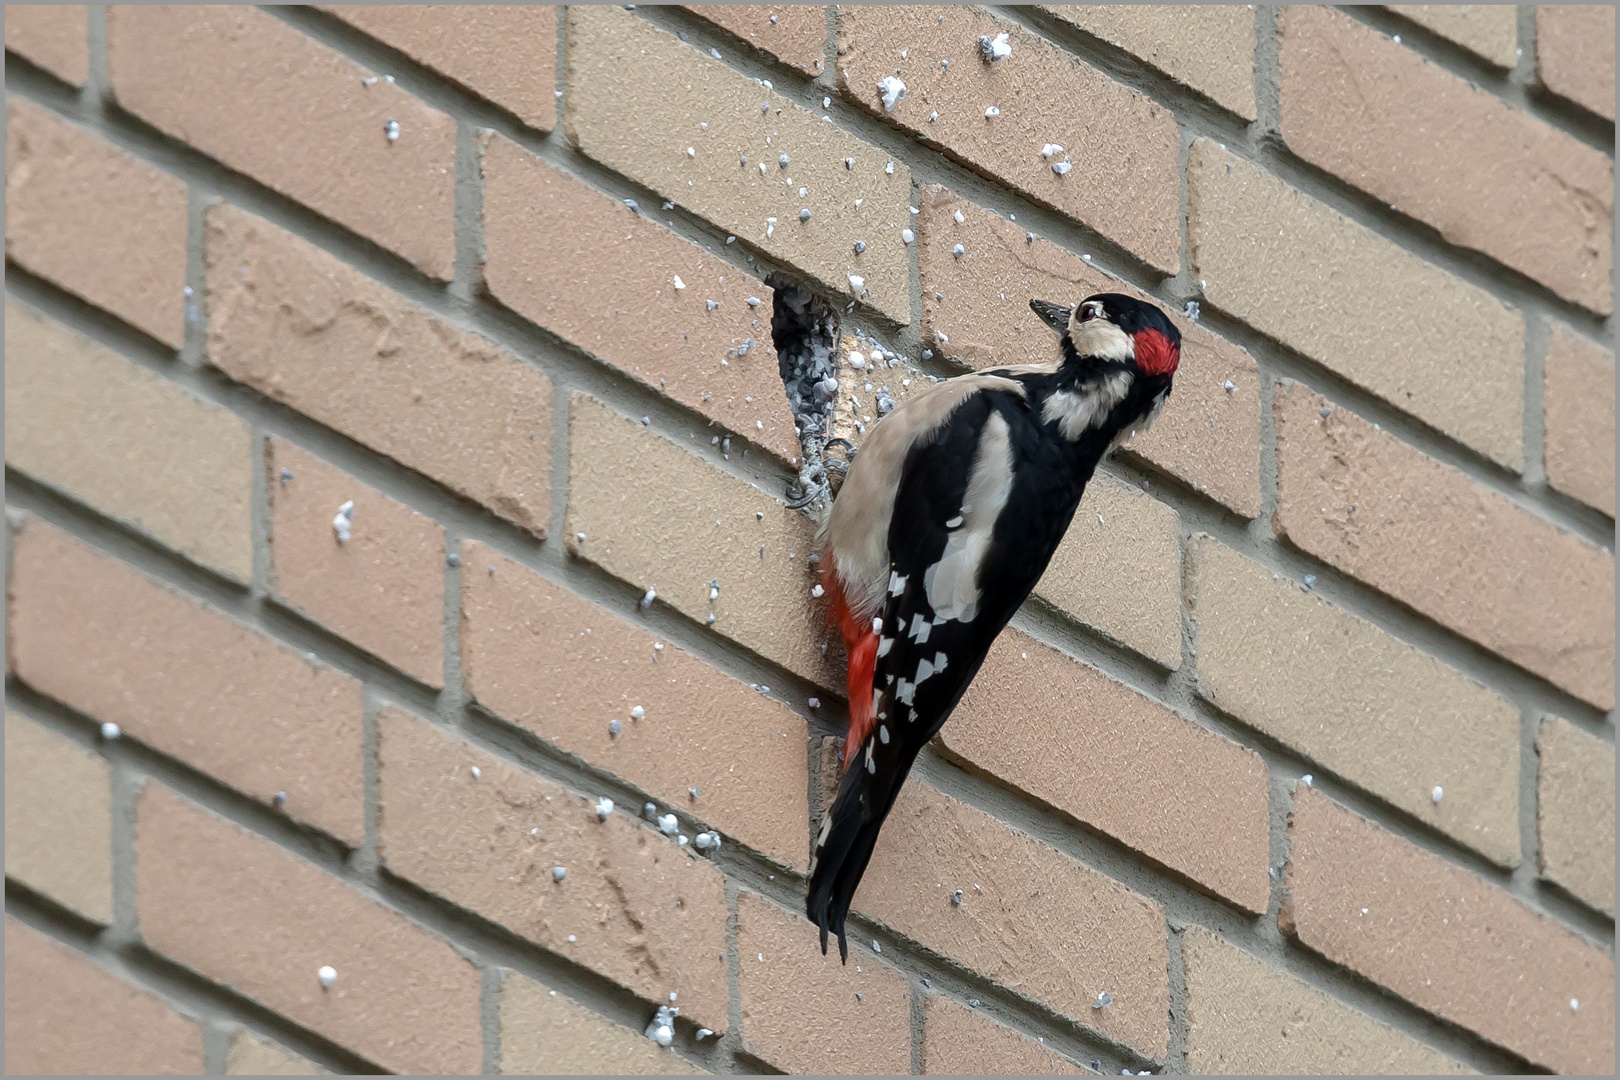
point(1112, 326)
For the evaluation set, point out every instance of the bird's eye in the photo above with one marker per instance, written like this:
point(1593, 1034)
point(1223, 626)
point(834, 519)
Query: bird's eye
point(1090, 311)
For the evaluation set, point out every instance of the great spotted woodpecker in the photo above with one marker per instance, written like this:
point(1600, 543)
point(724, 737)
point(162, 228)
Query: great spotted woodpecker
point(945, 522)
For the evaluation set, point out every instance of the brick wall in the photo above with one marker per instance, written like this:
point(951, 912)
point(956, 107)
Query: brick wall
point(1302, 754)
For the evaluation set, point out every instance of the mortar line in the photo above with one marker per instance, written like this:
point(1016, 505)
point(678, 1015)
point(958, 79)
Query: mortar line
point(1176, 1055)
point(490, 981)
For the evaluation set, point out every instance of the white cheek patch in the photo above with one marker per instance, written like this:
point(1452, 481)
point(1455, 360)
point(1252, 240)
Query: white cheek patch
point(884, 645)
point(1100, 338)
point(1078, 411)
point(905, 692)
point(953, 582)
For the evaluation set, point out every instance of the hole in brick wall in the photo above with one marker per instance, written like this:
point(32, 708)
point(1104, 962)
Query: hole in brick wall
point(805, 331)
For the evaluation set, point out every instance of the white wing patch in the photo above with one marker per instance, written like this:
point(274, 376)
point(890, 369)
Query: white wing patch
point(904, 690)
point(1078, 411)
point(897, 583)
point(920, 628)
point(953, 582)
point(884, 645)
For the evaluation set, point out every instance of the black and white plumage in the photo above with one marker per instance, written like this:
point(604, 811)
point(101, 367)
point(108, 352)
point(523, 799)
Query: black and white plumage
point(945, 523)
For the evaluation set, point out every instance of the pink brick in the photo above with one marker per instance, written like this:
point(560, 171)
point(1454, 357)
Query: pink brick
point(54, 36)
point(1578, 399)
point(1575, 53)
point(795, 34)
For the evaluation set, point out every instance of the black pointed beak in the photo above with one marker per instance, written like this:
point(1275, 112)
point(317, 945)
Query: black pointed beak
point(1054, 315)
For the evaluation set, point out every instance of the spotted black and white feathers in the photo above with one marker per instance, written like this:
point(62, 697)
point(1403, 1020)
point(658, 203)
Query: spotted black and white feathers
point(945, 523)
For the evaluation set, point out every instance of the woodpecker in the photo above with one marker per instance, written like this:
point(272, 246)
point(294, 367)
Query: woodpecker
point(945, 522)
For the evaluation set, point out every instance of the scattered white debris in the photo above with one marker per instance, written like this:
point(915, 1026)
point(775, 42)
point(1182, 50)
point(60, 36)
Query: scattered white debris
point(817, 591)
point(1051, 150)
point(453, 559)
point(992, 111)
point(679, 284)
point(783, 160)
point(860, 247)
point(110, 731)
point(708, 841)
point(1306, 780)
point(857, 284)
point(889, 168)
point(637, 713)
point(958, 251)
point(1437, 794)
point(876, 947)
point(1574, 1004)
point(1327, 411)
point(956, 897)
point(814, 703)
point(691, 151)
point(286, 475)
point(604, 807)
point(997, 48)
point(1229, 386)
point(344, 522)
point(704, 1033)
point(391, 129)
point(662, 1028)
point(477, 772)
point(715, 53)
point(327, 975)
point(668, 824)
point(907, 236)
point(752, 301)
point(650, 810)
point(892, 90)
point(959, 218)
point(1061, 167)
point(648, 597)
point(1191, 310)
point(709, 305)
point(682, 840)
point(1310, 581)
point(615, 727)
point(933, 116)
point(558, 873)
point(1104, 999)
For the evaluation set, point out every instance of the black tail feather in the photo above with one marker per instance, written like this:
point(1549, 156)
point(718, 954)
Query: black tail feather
point(856, 817)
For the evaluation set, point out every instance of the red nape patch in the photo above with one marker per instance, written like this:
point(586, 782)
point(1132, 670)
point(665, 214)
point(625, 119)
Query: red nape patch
point(860, 642)
point(1156, 354)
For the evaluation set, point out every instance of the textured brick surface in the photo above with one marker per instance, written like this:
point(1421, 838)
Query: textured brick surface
point(1575, 53)
point(651, 526)
point(182, 69)
point(1122, 147)
point(1432, 538)
point(54, 36)
point(506, 53)
point(55, 997)
point(1445, 940)
point(1209, 47)
point(795, 34)
point(58, 819)
point(1246, 1017)
point(544, 1033)
point(641, 910)
point(303, 328)
point(1119, 762)
point(1575, 811)
point(112, 643)
point(1207, 436)
point(958, 1041)
point(383, 589)
point(253, 916)
point(128, 442)
point(1488, 30)
point(543, 658)
point(1362, 704)
point(1117, 570)
point(593, 272)
point(1032, 919)
point(1420, 138)
point(807, 1013)
point(1578, 398)
point(642, 127)
point(250, 1055)
point(1445, 351)
point(90, 218)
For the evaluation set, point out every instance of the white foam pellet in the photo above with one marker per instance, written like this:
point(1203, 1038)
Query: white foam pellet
point(752, 301)
point(604, 807)
point(892, 90)
point(992, 111)
point(817, 591)
point(391, 129)
point(889, 168)
point(1104, 999)
point(1310, 581)
point(477, 772)
point(1061, 167)
point(1306, 780)
point(110, 731)
point(558, 873)
point(804, 212)
point(637, 712)
point(648, 597)
point(857, 284)
point(286, 475)
point(958, 251)
point(615, 727)
point(1191, 310)
point(327, 975)
point(668, 824)
point(907, 235)
point(1437, 794)
point(704, 1033)
point(679, 284)
point(959, 218)
point(814, 703)
point(1574, 1004)
point(1051, 149)
point(1229, 386)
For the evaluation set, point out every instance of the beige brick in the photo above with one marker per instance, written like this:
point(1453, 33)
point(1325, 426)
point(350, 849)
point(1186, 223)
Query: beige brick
point(66, 1016)
point(129, 443)
point(1448, 353)
point(85, 215)
point(1486, 175)
point(1032, 919)
point(185, 679)
point(795, 34)
point(1208, 436)
point(958, 1041)
point(800, 1008)
point(1575, 54)
point(1372, 709)
point(601, 276)
point(1451, 548)
point(642, 127)
point(1123, 148)
point(1209, 47)
point(641, 911)
point(58, 818)
point(250, 1055)
point(1578, 399)
point(538, 655)
point(1118, 569)
point(296, 324)
point(54, 36)
point(1575, 811)
point(506, 53)
point(651, 526)
point(1197, 802)
point(263, 99)
point(1488, 30)
point(383, 589)
point(250, 915)
point(1446, 941)
point(1246, 1017)
point(544, 1033)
